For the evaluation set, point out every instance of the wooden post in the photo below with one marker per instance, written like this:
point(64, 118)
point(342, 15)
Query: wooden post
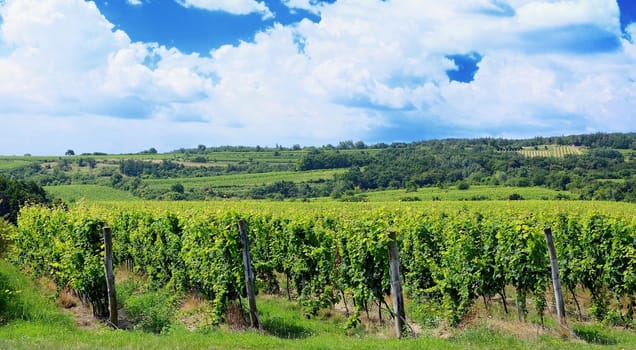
point(110, 276)
point(249, 275)
point(396, 285)
point(556, 283)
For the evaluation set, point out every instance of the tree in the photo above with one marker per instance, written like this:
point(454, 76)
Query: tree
point(15, 193)
point(178, 187)
point(69, 152)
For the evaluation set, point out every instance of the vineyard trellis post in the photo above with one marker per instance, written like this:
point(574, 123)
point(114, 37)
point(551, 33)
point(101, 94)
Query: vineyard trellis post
point(556, 283)
point(249, 276)
point(396, 285)
point(110, 276)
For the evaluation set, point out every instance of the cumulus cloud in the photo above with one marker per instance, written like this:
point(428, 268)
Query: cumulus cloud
point(371, 70)
point(66, 58)
point(236, 7)
point(135, 2)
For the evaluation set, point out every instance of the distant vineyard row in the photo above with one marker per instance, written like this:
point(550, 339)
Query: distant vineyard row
point(448, 258)
point(551, 151)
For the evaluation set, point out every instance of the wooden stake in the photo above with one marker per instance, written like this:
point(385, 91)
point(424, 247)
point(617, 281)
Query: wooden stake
point(556, 282)
point(396, 285)
point(249, 276)
point(110, 276)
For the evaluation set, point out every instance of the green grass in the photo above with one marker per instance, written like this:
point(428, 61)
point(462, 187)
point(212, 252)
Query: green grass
point(474, 193)
point(21, 300)
point(12, 162)
point(8, 164)
point(243, 181)
point(286, 328)
point(89, 193)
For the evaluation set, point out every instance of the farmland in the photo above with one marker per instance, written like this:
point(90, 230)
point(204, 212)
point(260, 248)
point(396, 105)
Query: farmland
point(551, 151)
point(89, 193)
point(576, 166)
point(319, 248)
point(434, 237)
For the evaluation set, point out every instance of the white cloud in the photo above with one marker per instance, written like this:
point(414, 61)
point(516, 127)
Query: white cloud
point(135, 2)
point(236, 7)
point(306, 5)
point(539, 14)
point(365, 69)
point(65, 58)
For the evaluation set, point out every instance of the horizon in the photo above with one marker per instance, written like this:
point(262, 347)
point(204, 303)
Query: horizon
point(337, 146)
point(121, 76)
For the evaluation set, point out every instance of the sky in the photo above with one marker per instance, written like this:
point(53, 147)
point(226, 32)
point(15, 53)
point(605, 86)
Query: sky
point(122, 76)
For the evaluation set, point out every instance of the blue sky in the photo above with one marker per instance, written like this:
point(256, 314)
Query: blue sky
point(193, 29)
point(125, 75)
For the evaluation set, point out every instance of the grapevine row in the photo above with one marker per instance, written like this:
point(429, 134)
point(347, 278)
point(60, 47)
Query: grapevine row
point(450, 258)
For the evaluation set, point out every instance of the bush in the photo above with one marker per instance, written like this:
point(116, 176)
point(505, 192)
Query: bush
point(151, 312)
point(463, 186)
point(515, 197)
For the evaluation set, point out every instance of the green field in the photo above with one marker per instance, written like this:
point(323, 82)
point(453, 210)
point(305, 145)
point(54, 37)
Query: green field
point(474, 193)
point(89, 193)
point(212, 158)
point(244, 181)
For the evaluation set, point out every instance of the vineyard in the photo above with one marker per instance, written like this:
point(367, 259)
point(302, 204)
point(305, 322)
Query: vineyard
point(323, 255)
point(551, 151)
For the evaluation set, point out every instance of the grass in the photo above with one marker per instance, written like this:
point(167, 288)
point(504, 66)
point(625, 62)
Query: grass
point(89, 193)
point(474, 193)
point(8, 164)
point(22, 300)
point(32, 321)
point(285, 328)
point(244, 181)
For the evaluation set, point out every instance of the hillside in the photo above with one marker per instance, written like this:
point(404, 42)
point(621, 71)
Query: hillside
point(595, 166)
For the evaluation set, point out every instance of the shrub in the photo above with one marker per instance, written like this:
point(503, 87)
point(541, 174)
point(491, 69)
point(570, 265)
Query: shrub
point(515, 197)
point(151, 312)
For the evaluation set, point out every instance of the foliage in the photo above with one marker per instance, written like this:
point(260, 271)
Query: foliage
point(594, 166)
point(66, 248)
point(449, 257)
point(152, 311)
point(15, 193)
point(20, 299)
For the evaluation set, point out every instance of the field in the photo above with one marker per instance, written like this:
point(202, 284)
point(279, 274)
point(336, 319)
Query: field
point(551, 151)
point(474, 193)
point(244, 182)
point(89, 193)
point(474, 265)
point(285, 323)
point(212, 158)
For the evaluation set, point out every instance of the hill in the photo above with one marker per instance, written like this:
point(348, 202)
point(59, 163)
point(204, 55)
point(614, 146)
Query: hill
point(595, 166)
